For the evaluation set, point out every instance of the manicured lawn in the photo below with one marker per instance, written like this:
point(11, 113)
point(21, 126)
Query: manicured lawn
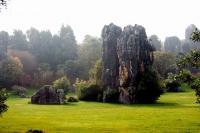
point(174, 113)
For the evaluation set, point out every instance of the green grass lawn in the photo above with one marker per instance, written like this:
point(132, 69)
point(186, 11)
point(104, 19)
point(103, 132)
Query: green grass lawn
point(174, 113)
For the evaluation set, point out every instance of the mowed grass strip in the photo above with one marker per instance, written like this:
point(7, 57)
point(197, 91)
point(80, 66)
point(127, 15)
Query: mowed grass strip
point(174, 113)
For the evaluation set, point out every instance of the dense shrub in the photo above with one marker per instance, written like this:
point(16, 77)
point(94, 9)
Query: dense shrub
point(88, 91)
point(3, 98)
point(173, 83)
point(62, 83)
point(72, 99)
point(111, 96)
point(148, 87)
point(185, 76)
point(19, 91)
point(173, 86)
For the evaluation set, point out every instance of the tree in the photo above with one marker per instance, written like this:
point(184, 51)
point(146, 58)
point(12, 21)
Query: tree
point(3, 98)
point(89, 53)
point(72, 69)
point(33, 36)
point(164, 62)
point(155, 42)
point(68, 43)
point(96, 72)
point(3, 49)
point(43, 75)
point(10, 71)
point(4, 40)
point(62, 83)
point(45, 50)
point(19, 41)
point(193, 59)
point(27, 59)
point(196, 35)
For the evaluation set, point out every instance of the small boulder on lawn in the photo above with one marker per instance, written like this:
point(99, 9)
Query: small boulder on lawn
point(48, 95)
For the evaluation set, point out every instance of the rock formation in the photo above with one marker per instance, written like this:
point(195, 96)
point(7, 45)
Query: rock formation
point(110, 63)
point(172, 44)
point(127, 56)
point(48, 95)
point(135, 55)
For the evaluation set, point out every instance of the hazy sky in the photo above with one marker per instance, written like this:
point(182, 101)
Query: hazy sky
point(160, 17)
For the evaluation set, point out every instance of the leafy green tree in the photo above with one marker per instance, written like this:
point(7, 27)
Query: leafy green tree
point(10, 71)
point(27, 59)
point(33, 36)
point(3, 98)
point(3, 50)
point(68, 43)
point(43, 75)
point(4, 40)
point(72, 69)
point(96, 72)
point(89, 53)
point(193, 59)
point(45, 49)
point(62, 83)
point(190, 59)
point(196, 35)
point(19, 41)
point(164, 62)
point(56, 57)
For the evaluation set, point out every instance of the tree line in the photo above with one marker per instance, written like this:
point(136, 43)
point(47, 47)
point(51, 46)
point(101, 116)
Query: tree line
point(38, 57)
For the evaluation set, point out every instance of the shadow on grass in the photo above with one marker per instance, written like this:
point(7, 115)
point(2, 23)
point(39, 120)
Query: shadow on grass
point(155, 105)
point(65, 104)
point(161, 105)
point(118, 105)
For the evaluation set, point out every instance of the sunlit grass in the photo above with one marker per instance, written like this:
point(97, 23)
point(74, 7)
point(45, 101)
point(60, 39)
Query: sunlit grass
point(174, 112)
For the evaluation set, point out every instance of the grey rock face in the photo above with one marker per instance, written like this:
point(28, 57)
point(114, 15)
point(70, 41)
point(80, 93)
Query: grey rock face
point(110, 74)
point(135, 55)
point(172, 44)
point(48, 95)
point(126, 54)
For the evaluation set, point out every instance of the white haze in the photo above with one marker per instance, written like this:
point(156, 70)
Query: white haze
point(160, 17)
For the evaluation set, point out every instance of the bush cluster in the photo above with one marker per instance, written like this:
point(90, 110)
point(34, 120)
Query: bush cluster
point(19, 91)
point(111, 96)
point(88, 91)
point(72, 99)
point(3, 98)
point(148, 88)
point(62, 83)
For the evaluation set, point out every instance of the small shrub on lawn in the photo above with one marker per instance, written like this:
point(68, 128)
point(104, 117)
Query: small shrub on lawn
point(19, 91)
point(88, 91)
point(62, 83)
point(72, 99)
point(173, 83)
point(3, 98)
point(148, 89)
point(111, 96)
